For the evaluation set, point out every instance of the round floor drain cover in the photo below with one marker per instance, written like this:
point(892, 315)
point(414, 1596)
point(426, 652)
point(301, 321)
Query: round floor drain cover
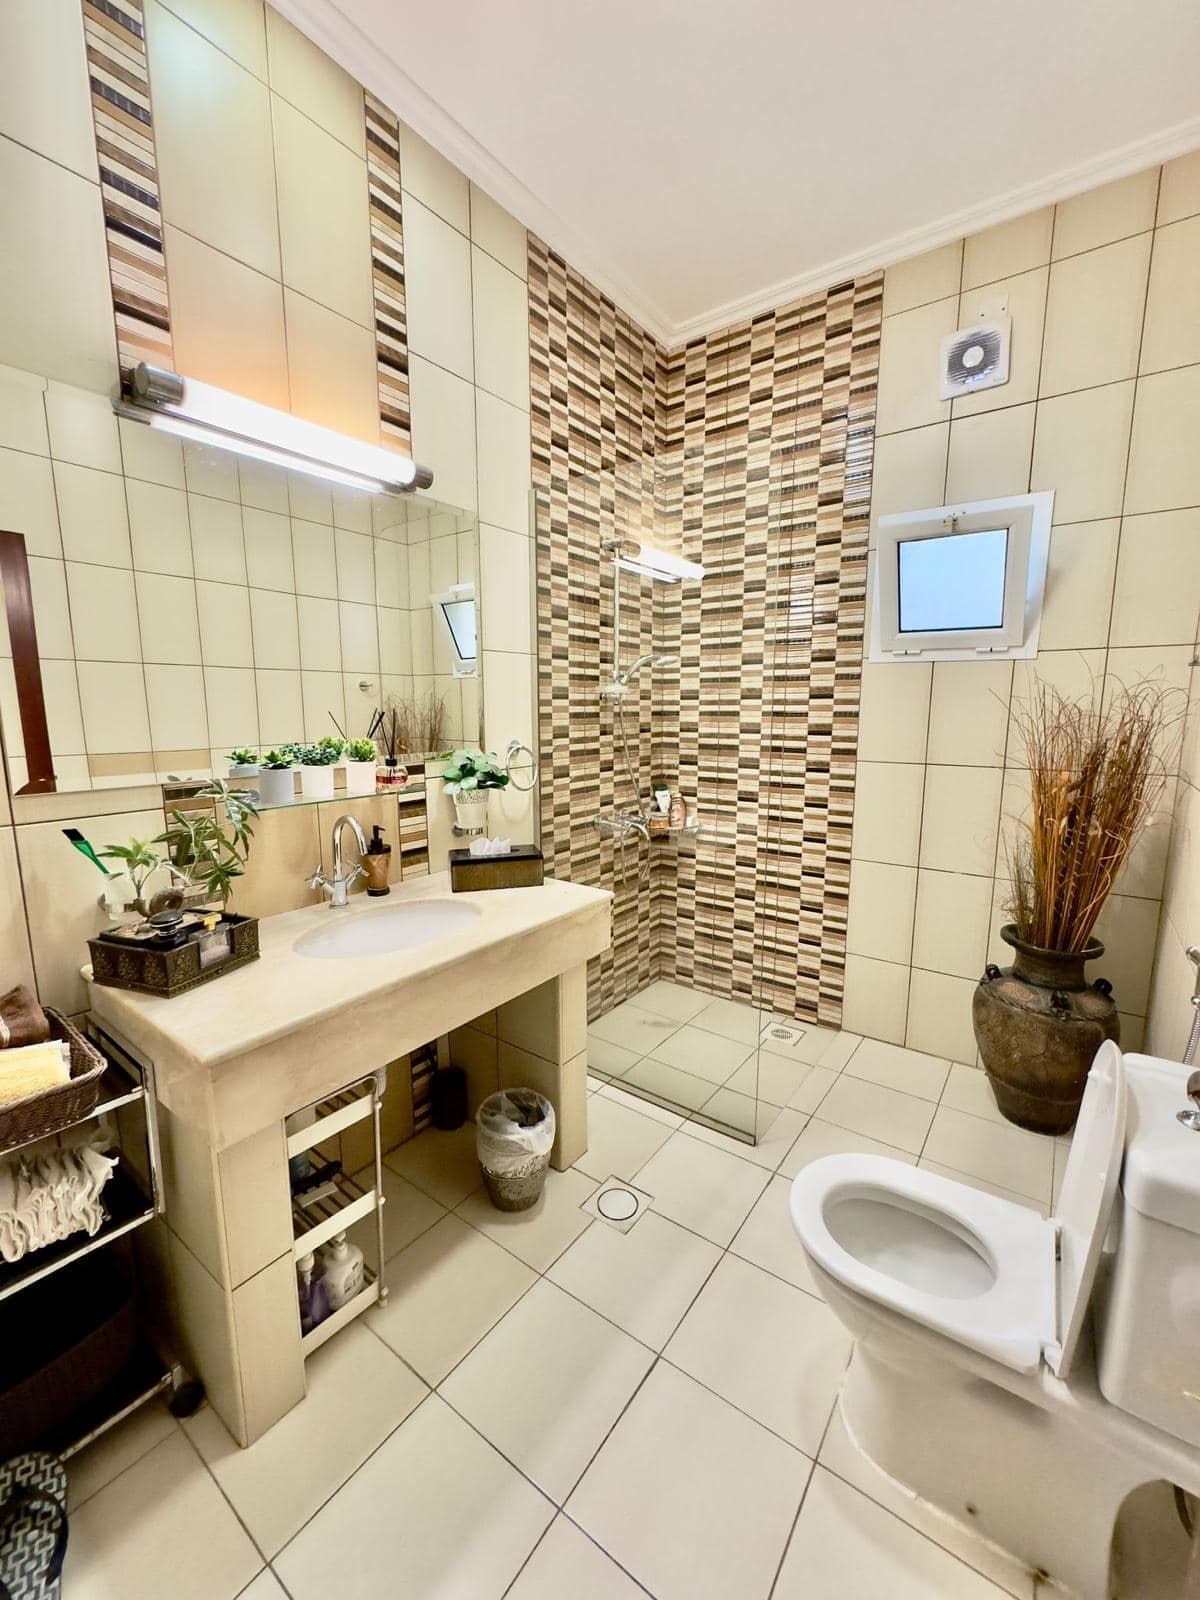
point(618, 1205)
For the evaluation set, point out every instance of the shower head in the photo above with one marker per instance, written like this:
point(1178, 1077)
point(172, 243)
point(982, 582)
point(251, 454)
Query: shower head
point(634, 667)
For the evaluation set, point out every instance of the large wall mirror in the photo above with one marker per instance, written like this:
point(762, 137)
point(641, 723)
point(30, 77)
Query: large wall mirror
point(189, 602)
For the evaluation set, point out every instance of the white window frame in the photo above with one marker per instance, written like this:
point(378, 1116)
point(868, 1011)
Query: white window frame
point(457, 593)
point(1026, 520)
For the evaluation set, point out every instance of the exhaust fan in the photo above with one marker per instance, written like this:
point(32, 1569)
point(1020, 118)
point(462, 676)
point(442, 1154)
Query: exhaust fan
point(975, 358)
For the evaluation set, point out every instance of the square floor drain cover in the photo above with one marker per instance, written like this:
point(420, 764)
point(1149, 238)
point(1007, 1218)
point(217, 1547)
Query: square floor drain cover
point(781, 1033)
point(618, 1203)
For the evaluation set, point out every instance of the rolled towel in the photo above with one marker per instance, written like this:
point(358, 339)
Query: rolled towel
point(22, 1020)
point(31, 1069)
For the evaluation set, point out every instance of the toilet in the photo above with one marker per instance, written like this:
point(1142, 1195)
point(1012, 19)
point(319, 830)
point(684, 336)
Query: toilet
point(1023, 1374)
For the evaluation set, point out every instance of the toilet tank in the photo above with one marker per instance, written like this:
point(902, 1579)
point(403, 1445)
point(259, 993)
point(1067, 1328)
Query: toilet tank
point(1148, 1325)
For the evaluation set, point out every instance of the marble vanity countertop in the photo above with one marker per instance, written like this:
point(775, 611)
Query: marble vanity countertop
point(234, 1054)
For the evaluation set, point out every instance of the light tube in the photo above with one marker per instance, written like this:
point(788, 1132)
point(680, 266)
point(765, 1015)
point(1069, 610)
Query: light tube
point(660, 564)
point(199, 411)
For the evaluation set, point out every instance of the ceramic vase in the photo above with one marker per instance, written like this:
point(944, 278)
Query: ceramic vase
point(276, 786)
point(316, 783)
point(360, 777)
point(471, 810)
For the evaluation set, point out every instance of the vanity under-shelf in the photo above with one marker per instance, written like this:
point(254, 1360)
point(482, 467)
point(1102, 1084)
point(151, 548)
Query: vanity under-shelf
point(332, 1001)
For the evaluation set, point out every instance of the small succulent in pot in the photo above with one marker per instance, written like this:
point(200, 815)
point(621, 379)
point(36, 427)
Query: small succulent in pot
point(337, 746)
point(361, 750)
point(276, 785)
point(317, 762)
point(469, 779)
point(244, 763)
point(360, 766)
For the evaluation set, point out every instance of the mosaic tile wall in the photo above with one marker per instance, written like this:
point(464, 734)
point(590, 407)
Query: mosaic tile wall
point(749, 451)
point(387, 273)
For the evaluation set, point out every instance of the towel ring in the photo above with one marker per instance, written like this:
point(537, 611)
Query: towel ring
point(515, 746)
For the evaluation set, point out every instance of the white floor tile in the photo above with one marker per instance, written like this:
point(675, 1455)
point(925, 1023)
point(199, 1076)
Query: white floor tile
point(777, 1132)
point(619, 1140)
point(643, 1280)
point(771, 1078)
point(839, 1050)
point(646, 1108)
point(981, 1183)
point(705, 1055)
point(814, 1086)
point(611, 1059)
point(442, 1165)
point(690, 1496)
point(732, 1019)
point(736, 1114)
point(673, 1000)
point(445, 1291)
point(357, 1393)
point(435, 1513)
point(824, 1139)
point(540, 1234)
point(813, 1045)
point(768, 1239)
point(845, 1547)
point(568, 1563)
point(968, 1089)
point(999, 1154)
point(161, 1528)
point(101, 1462)
point(894, 1067)
point(769, 1349)
point(265, 1587)
point(883, 1114)
point(547, 1384)
point(407, 1213)
point(701, 1188)
point(679, 1087)
point(634, 1029)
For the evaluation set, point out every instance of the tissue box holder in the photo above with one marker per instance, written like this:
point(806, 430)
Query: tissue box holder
point(521, 868)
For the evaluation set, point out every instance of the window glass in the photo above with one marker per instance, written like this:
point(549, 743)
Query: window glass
point(952, 582)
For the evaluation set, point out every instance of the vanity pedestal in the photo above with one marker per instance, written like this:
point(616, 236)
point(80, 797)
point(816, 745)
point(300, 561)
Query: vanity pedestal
point(234, 1058)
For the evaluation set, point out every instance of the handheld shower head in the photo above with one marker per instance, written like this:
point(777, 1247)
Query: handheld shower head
point(652, 660)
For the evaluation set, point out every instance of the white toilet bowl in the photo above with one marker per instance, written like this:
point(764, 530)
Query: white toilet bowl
point(973, 1382)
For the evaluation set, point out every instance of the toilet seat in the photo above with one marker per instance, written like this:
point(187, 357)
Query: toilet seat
point(1012, 1319)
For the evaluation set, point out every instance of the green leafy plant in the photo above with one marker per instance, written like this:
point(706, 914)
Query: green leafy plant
point(292, 752)
point(361, 749)
point(213, 845)
point(139, 862)
point(278, 760)
point(244, 758)
point(338, 746)
point(470, 770)
point(320, 755)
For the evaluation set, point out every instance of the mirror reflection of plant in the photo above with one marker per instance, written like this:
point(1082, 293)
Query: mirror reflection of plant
point(244, 758)
point(139, 862)
point(213, 845)
point(470, 770)
point(279, 760)
point(325, 754)
point(338, 746)
point(361, 750)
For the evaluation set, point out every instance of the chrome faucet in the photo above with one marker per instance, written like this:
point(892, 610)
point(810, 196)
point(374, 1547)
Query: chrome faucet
point(338, 887)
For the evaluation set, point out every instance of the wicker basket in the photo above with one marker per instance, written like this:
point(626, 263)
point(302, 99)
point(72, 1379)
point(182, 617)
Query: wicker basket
point(52, 1109)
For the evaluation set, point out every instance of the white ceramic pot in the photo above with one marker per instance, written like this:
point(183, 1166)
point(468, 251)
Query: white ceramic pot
point(243, 769)
point(276, 786)
point(316, 783)
point(360, 777)
point(471, 809)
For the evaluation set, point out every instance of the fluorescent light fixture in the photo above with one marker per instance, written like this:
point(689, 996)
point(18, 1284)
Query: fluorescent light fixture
point(659, 564)
point(193, 410)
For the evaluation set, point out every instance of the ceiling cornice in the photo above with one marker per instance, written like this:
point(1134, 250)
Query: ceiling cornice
point(340, 37)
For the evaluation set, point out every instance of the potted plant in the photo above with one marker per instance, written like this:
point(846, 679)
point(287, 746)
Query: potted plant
point(212, 845)
point(1096, 772)
point(276, 784)
point(244, 763)
point(469, 779)
point(360, 766)
point(317, 762)
point(139, 862)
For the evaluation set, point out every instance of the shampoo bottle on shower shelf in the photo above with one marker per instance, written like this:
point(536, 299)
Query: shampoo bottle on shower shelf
point(677, 815)
point(341, 1270)
point(314, 1297)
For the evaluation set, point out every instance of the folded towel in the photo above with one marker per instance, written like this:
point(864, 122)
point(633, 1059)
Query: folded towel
point(22, 1020)
point(52, 1190)
point(32, 1069)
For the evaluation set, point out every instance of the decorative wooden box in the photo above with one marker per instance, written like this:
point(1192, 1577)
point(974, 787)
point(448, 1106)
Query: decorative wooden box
point(122, 964)
point(522, 868)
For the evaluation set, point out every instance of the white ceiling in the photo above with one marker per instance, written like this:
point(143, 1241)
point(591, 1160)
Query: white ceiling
point(702, 159)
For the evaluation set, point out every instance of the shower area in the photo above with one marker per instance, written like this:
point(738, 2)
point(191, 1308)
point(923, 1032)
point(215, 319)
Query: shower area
point(701, 527)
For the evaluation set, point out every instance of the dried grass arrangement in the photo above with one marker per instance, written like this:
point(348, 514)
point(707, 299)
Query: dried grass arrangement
point(1097, 770)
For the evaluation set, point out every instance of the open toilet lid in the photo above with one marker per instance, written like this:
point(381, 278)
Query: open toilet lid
point(1086, 1201)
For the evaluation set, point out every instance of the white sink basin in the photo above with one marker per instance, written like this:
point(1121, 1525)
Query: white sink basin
point(374, 933)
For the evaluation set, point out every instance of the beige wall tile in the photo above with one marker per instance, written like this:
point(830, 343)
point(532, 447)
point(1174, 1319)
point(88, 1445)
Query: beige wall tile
point(1008, 248)
point(55, 301)
point(1079, 585)
point(508, 702)
point(167, 616)
point(875, 998)
point(968, 713)
point(44, 100)
point(159, 531)
point(306, 77)
point(1127, 927)
point(320, 648)
point(15, 960)
point(218, 545)
point(232, 714)
point(990, 454)
point(256, 1205)
point(506, 567)
point(437, 283)
point(27, 501)
point(1026, 296)
point(953, 913)
point(112, 697)
point(501, 325)
point(1094, 316)
point(478, 1056)
point(23, 412)
point(195, 140)
point(211, 471)
point(443, 412)
point(939, 1016)
point(280, 707)
point(1164, 464)
point(82, 428)
point(1172, 333)
point(313, 551)
point(1157, 594)
point(93, 516)
point(1074, 673)
point(1114, 211)
point(150, 456)
point(1081, 443)
point(960, 820)
point(262, 486)
point(360, 638)
point(275, 633)
point(268, 541)
point(178, 715)
point(909, 471)
point(880, 923)
point(226, 321)
point(501, 235)
point(887, 812)
point(331, 366)
point(436, 182)
point(324, 217)
point(235, 26)
point(51, 614)
point(908, 366)
point(504, 463)
point(1179, 191)
point(287, 846)
point(893, 713)
point(324, 697)
point(355, 566)
point(104, 613)
point(224, 611)
point(920, 279)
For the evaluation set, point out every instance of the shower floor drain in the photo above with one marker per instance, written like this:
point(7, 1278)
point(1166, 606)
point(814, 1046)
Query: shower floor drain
point(618, 1203)
point(781, 1033)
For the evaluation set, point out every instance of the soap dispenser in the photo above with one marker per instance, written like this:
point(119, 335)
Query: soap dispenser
point(378, 863)
point(341, 1270)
